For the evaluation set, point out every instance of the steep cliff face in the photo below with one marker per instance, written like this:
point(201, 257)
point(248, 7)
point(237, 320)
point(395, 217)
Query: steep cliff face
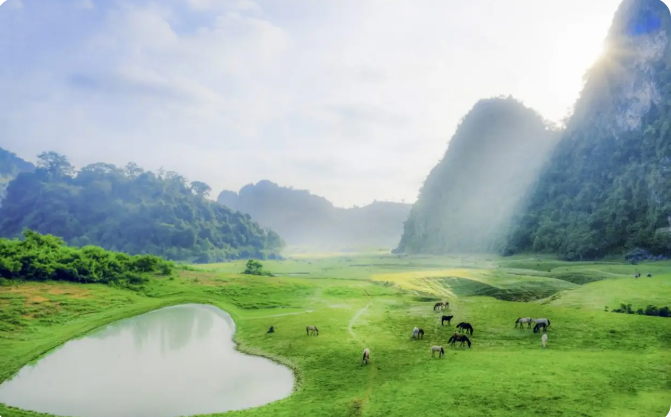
point(306, 219)
point(608, 185)
point(468, 199)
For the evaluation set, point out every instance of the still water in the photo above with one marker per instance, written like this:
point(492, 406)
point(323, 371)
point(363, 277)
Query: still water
point(176, 361)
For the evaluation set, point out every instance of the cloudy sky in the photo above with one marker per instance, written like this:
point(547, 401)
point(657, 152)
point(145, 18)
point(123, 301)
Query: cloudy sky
point(354, 100)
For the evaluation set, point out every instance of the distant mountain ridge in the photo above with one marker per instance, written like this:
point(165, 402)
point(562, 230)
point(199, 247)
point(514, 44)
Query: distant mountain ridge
point(302, 218)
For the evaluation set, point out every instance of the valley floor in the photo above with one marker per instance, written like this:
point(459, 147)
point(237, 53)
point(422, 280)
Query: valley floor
point(597, 363)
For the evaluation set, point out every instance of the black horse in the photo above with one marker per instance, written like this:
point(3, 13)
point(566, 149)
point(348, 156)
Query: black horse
point(538, 326)
point(465, 327)
point(271, 330)
point(446, 319)
point(420, 334)
point(459, 338)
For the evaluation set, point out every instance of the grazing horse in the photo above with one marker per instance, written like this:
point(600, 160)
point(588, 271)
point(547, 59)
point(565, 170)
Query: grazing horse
point(366, 356)
point(439, 349)
point(544, 339)
point(420, 333)
point(542, 321)
point(415, 333)
point(465, 327)
point(312, 330)
point(538, 326)
point(446, 319)
point(271, 330)
point(459, 338)
point(441, 305)
point(523, 320)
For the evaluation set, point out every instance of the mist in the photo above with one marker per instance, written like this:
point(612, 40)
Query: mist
point(469, 199)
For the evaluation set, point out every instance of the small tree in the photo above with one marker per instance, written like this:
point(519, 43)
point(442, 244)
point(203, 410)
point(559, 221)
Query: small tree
point(255, 268)
point(201, 189)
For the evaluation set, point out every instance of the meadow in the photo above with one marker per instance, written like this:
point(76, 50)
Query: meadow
point(597, 363)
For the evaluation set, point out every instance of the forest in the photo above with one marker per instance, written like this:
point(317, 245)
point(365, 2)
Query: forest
point(132, 211)
point(607, 188)
point(10, 166)
point(39, 257)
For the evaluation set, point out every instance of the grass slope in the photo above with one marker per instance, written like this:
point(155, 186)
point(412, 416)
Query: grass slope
point(596, 364)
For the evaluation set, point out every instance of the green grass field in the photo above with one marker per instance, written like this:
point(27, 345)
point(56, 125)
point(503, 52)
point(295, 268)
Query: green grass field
point(597, 363)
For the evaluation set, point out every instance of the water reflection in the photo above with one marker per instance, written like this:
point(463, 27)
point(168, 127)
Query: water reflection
point(171, 362)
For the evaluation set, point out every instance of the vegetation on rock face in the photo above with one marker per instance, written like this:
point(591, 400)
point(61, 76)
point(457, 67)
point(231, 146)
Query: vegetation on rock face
point(44, 257)
point(132, 211)
point(302, 218)
point(468, 199)
point(10, 166)
point(608, 186)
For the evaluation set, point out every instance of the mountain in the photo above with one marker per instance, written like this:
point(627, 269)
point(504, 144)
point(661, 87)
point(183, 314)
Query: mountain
point(302, 218)
point(10, 166)
point(132, 211)
point(469, 198)
point(607, 188)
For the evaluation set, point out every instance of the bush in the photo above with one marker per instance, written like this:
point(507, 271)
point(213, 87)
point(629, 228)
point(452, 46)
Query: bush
point(650, 310)
point(255, 268)
point(44, 257)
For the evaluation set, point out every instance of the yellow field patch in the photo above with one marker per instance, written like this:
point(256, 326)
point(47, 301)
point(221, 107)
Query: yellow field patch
point(424, 281)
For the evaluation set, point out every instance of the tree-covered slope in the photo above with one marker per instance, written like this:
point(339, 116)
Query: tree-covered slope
point(132, 211)
point(608, 185)
point(302, 218)
point(468, 199)
point(10, 166)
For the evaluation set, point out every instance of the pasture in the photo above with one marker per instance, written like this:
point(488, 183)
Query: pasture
point(596, 363)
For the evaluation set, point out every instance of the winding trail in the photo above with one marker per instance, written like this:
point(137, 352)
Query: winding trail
point(373, 369)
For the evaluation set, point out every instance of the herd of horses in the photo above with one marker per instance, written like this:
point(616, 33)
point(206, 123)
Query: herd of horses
point(464, 328)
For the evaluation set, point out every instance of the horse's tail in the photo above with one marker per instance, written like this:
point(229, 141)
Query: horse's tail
point(442, 351)
point(364, 355)
point(307, 330)
point(548, 322)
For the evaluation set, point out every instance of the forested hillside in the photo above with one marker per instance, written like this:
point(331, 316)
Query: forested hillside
point(132, 211)
point(608, 186)
point(10, 166)
point(302, 218)
point(468, 199)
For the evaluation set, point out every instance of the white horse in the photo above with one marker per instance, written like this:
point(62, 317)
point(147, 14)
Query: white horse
point(366, 355)
point(544, 339)
point(439, 349)
point(415, 333)
point(523, 320)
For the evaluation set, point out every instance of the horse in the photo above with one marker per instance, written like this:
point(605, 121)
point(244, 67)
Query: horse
point(440, 305)
point(459, 338)
point(271, 330)
point(544, 339)
point(420, 333)
point(312, 330)
point(465, 327)
point(439, 349)
point(542, 321)
point(649, 275)
point(521, 322)
point(366, 356)
point(446, 319)
point(538, 326)
point(415, 333)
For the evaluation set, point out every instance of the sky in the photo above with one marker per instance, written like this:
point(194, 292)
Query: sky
point(354, 100)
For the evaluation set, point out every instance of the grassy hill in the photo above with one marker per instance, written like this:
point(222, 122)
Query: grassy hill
point(597, 363)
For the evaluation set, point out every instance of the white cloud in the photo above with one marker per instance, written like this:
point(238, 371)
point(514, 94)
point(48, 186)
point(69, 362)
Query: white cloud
point(354, 100)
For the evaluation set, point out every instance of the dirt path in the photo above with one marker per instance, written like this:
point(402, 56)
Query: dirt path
point(353, 319)
point(373, 369)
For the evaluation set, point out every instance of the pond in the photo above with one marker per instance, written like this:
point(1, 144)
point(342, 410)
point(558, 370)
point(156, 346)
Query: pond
point(176, 361)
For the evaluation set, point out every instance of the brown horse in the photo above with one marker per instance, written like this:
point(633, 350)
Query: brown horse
point(312, 330)
point(440, 306)
point(459, 338)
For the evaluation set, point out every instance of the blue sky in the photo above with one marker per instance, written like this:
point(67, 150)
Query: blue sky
point(354, 100)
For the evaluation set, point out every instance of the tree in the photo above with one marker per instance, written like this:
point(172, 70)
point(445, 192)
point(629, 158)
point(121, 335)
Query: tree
point(200, 189)
point(55, 164)
point(132, 170)
point(254, 267)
